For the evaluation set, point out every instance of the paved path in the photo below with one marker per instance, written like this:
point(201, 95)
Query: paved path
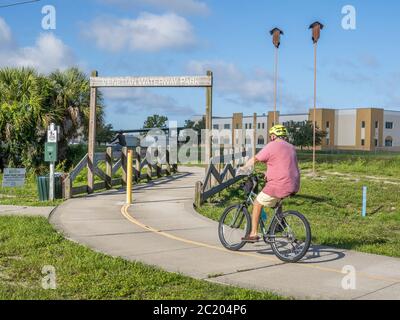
point(163, 229)
point(25, 211)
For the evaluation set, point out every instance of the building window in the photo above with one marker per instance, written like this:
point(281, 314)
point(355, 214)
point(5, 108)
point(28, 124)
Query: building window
point(261, 140)
point(376, 124)
point(216, 127)
point(363, 142)
point(263, 125)
point(227, 126)
point(250, 125)
point(363, 124)
point(259, 126)
point(389, 125)
point(389, 142)
point(376, 142)
point(246, 126)
point(327, 124)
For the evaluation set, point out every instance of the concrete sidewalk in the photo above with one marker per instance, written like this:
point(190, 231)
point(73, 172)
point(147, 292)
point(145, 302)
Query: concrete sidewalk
point(26, 211)
point(163, 229)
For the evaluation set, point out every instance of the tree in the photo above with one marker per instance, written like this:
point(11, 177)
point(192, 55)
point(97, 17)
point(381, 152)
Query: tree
point(155, 122)
point(104, 134)
point(29, 102)
point(70, 94)
point(24, 116)
point(301, 134)
point(197, 126)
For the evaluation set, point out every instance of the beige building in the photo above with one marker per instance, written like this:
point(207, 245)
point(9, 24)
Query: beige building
point(366, 129)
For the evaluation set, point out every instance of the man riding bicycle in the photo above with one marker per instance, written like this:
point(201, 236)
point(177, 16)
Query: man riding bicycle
point(282, 176)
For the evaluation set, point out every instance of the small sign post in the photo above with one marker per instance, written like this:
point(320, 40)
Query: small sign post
point(13, 178)
point(51, 156)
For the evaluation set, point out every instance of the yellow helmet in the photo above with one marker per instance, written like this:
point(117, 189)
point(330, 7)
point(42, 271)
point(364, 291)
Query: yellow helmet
point(279, 131)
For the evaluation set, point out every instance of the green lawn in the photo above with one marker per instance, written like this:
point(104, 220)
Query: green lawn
point(28, 244)
point(333, 206)
point(24, 196)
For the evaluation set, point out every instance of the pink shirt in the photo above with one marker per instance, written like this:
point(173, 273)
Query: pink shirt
point(283, 175)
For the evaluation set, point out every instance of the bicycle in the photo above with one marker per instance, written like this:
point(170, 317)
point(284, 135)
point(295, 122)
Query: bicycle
point(288, 233)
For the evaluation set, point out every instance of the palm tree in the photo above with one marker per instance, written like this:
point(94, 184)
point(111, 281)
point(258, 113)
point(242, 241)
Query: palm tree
point(23, 113)
point(71, 98)
point(29, 102)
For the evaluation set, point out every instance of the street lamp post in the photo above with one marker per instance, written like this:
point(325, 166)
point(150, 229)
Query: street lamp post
point(316, 28)
point(276, 40)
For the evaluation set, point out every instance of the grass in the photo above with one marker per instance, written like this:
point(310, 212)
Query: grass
point(332, 204)
point(23, 196)
point(29, 244)
point(379, 164)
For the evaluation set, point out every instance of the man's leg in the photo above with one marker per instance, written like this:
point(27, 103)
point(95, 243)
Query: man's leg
point(257, 207)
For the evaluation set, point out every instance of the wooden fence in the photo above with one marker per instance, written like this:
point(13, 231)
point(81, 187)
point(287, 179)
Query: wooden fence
point(142, 170)
point(219, 176)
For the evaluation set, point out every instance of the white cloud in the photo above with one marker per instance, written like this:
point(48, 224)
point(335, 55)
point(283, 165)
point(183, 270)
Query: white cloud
point(48, 53)
point(5, 33)
point(245, 88)
point(149, 32)
point(232, 82)
point(179, 6)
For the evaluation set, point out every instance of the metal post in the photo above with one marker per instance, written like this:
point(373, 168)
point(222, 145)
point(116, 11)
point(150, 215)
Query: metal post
point(92, 136)
point(129, 177)
point(209, 113)
point(52, 169)
point(276, 84)
point(51, 182)
point(316, 28)
point(364, 203)
point(254, 134)
point(276, 34)
point(315, 108)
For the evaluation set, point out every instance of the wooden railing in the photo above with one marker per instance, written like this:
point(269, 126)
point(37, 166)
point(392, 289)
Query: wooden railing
point(142, 170)
point(219, 176)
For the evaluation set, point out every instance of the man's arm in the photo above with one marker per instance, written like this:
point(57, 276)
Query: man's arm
point(251, 163)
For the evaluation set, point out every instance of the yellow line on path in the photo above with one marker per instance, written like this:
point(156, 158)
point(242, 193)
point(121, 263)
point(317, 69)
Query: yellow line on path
point(125, 213)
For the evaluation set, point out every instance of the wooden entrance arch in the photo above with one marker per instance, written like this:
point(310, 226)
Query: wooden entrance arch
point(97, 82)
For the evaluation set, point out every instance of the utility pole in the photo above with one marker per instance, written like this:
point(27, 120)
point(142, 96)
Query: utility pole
point(316, 28)
point(276, 40)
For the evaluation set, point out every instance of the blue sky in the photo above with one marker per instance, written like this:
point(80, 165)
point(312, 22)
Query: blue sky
point(357, 68)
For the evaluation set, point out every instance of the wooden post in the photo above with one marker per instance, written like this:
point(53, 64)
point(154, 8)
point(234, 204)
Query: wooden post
point(109, 167)
point(67, 188)
point(209, 115)
point(92, 137)
point(124, 165)
point(197, 197)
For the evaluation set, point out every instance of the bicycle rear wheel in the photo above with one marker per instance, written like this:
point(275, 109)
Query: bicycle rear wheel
point(235, 224)
point(291, 236)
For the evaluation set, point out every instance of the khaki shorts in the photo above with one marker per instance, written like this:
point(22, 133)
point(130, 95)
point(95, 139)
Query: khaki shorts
point(267, 201)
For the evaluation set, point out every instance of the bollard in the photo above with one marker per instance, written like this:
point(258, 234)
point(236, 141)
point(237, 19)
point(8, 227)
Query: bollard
point(364, 203)
point(129, 177)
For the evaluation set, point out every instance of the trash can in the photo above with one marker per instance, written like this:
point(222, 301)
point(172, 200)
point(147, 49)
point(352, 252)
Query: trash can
point(43, 185)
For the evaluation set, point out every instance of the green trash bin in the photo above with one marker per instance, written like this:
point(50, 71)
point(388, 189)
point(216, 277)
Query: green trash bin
point(43, 184)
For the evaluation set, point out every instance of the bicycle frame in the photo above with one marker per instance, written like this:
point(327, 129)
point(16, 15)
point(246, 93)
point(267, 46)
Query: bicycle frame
point(277, 212)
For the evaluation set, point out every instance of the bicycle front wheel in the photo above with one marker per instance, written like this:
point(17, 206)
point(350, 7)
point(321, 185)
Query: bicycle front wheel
point(235, 224)
point(291, 236)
